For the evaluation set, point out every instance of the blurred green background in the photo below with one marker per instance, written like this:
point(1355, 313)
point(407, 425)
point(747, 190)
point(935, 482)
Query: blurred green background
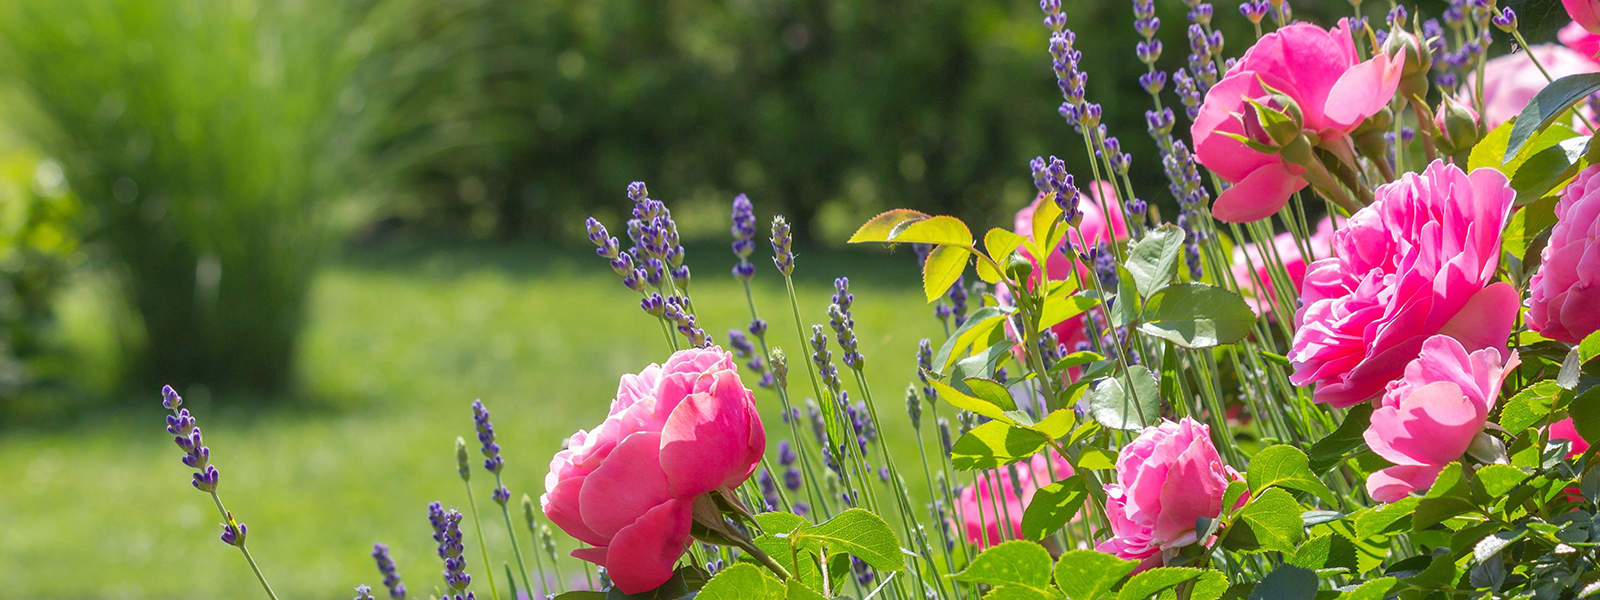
point(331, 225)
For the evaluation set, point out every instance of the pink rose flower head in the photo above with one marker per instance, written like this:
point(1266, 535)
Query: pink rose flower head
point(626, 488)
point(1566, 430)
point(1315, 68)
point(1580, 40)
point(1428, 418)
point(996, 490)
point(1096, 226)
point(1564, 302)
point(1511, 81)
point(1418, 262)
point(1167, 478)
point(1585, 13)
point(1250, 267)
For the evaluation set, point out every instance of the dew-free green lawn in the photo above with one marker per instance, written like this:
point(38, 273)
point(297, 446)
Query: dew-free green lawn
point(401, 339)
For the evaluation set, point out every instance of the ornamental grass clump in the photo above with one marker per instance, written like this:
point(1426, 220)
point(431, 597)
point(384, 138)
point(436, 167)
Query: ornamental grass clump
point(1404, 407)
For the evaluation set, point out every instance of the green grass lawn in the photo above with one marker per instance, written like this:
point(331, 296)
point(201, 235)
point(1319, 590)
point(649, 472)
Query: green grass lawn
point(402, 338)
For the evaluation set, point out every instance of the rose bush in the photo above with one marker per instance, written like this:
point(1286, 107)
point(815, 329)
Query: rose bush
point(1564, 304)
point(674, 432)
point(996, 490)
point(1166, 478)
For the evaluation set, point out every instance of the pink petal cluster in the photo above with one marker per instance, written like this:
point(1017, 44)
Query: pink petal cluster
point(1095, 226)
point(1428, 418)
point(1580, 40)
point(1318, 69)
point(1250, 264)
point(1510, 81)
point(1418, 262)
point(1566, 430)
point(1564, 304)
point(996, 490)
point(1167, 478)
point(1585, 13)
point(674, 432)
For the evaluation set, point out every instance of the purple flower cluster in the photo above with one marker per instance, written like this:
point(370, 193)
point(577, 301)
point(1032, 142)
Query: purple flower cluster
point(447, 532)
point(744, 237)
point(364, 592)
point(746, 351)
point(492, 461)
point(391, 576)
point(1051, 178)
point(233, 532)
point(782, 246)
point(844, 324)
point(186, 434)
point(823, 359)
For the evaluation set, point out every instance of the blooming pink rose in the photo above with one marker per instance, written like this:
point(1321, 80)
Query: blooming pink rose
point(1167, 478)
point(1419, 261)
point(1250, 267)
point(1318, 70)
point(1510, 81)
point(1580, 40)
point(996, 490)
point(1564, 304)
point(626, 488)
point(1585, 13)
point(1566, 430)
point(1428, 418)
point(1095, 226)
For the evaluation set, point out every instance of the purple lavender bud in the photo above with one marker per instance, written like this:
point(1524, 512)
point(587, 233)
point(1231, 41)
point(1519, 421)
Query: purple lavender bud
point(744, 270)
point(913, 406)
point(883, 474)
point(234, 536)
point(1201, 14)
point(1397, 16)
point(780, 368)
point(1147, 27)
point(364, 592)
point(1136, 207)
point(391, 576)
point(492, 461)
point(447, 532)
point(501, 495)
point(170, 398)
point(958, 302)
point(791, 479)
point(1160, 122)
point(653, 304)
point(863, 573)
point(944, 435)
point(1254, 10)
point(1090, 118)
point(1149, 52)
point(180, 424)
point(637, 192)
point(1506, 20)
point(782, 245)
point(741, 345)
point(680, 276)
point(786, 455)
point(1144, 9)
point(758, 327)
point(744, 228)
point(206, 479)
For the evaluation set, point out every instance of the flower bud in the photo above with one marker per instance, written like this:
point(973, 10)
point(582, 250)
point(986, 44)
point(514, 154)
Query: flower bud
point(1274, 120)
point(1403, 45)
point(1457, 124)
point(461, 459)
point(1018, 267)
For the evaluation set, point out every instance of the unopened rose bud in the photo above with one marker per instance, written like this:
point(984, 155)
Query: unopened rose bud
point(1274, 120)
point(1457, 124)
point(1403, 45)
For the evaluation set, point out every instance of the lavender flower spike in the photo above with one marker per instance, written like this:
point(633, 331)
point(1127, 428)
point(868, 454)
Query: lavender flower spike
point(364, 592)
point(447, 532)
point(391, 576)
point(782, 245)
point(186, 434)
point(492, 462)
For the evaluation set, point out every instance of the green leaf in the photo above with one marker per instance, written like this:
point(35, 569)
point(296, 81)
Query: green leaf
point(743, 581)
point(1016, 562)
point(994, 444)
point(1000, 243)
point(799, 591)
point(1498, 480)
point(1046, 215)
point(1152, 258)
point(1330, 450)
point(978, 326)
point(943, 267)
point(1089, 575)
point(1125, 308)
point(1062, 304)
point(1096, 459)
point(883, 227)
point(1375, 589)
point(858, 533)
point(1270, 522)
point(1287, 582)
point(1380, 520)
point(1326, 551)
point(1051, 507)
point(1530, 406)
point(1196, 315)
point(1542, 170)
point(1157, 580)
point(1288, 467)
point(982, 363)
point(1058, 424)
point(991, 391)
point(683, 582)
point(1114, 405)
point(961, 400)
point(1590, 347)
point(1585, 411)
point(1550, 103)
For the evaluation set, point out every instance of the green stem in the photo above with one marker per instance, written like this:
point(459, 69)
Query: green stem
point(511, 531)
point(482, 548)
point(227, 517)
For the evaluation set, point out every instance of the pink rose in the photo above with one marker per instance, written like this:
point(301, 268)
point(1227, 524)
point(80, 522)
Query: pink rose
point(996, 491)
point(1318, 70)
point(1250, 266)
point(1428, 418)
point(1580, 40)
point(1095, 227)
point(1564, 302)
point(1566, 430)
point(1419, 261)
point(1167, 478)
point(1510, 81)
point(626, 488)
point(1585, 13)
